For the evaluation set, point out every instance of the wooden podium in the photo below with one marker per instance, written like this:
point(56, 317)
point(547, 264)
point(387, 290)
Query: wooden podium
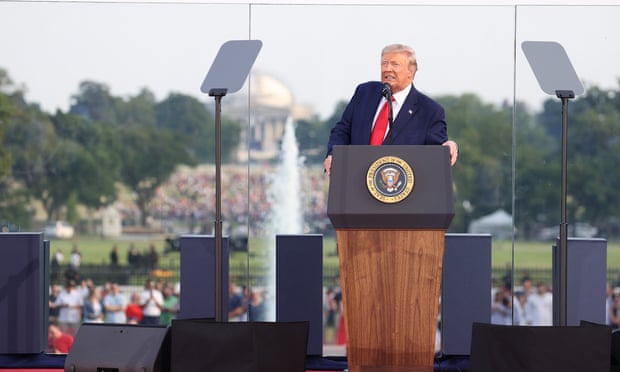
point(391, 206)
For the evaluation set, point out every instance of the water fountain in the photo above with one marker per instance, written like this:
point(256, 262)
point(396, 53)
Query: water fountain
point(286, 215)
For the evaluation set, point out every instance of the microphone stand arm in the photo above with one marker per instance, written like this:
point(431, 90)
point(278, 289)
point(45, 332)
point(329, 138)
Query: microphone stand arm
point(390, 118)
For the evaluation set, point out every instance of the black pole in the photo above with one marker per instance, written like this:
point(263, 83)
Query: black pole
point(220, 315)
point(564, 95)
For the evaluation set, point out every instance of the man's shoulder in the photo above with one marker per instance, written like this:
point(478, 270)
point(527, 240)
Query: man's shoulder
point(369, 85)
point(422, 96)
point(426, 101)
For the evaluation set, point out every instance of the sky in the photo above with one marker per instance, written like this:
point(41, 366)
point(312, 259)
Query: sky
point(320, 52)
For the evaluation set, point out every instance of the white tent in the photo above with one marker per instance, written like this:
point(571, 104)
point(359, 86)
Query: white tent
point(111, 224)
point(498, 224)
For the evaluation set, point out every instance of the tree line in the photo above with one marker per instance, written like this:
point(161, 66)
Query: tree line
point(509, 155)
point(82, 156)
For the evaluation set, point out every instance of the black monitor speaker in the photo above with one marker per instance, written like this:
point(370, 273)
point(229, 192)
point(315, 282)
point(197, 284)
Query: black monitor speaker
point(545, 348)
point(119, 348)
point(205, 345)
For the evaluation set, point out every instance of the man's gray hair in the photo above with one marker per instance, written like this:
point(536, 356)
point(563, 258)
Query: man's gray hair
point(402, 48)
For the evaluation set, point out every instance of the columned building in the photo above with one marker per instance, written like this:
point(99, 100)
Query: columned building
point(271, 104)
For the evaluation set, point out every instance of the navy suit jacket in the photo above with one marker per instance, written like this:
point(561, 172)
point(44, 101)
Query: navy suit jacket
point(420, 121)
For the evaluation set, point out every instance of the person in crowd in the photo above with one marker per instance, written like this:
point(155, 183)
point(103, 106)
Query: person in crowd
point(237, 307)
point(614, 311)
point(59, 258)
point(85, 286)
point(160, 284)
point(58, 342)
point(114, 304)
point(69, 302)
point(53, 309)
point(75, 260)
point(133, 312)
point(501, 312)
point(418, 119)
point(71, 274)
point(93, 309)
point(57, 261)
point(134, 258)
point(518, 303)
point(341, 336)
point(170, 306)
point(107, 288)
point(526, 285)
point(114, 256)
point(609, 301)
point(152, 302)
point(256, 305)
point(152, 257)
point(539, 306)
point(330, 309)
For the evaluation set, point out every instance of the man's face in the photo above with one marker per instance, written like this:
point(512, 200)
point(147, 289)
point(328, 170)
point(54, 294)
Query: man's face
point(395, 71)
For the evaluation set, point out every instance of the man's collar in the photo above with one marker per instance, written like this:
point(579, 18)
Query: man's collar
point(402, 95)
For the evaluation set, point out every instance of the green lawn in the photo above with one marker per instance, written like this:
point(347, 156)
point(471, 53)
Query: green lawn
point(96, 250)
point(538, 254)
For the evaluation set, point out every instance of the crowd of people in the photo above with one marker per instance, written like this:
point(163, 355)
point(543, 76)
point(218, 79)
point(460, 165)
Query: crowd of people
point(533, 305)
point(528, 305)
point(158, 303)
point(187, 197)
point(84, 302)
point(333, 321)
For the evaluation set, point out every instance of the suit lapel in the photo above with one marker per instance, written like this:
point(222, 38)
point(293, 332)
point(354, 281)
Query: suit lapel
point(407, 113)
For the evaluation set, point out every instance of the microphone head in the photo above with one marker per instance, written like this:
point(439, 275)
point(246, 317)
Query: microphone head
point(386, 91)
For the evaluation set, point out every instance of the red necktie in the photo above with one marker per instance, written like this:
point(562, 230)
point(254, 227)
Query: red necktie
point(378, 130)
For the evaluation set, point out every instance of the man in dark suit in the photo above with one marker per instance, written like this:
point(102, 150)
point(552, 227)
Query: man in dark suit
point(418, 120)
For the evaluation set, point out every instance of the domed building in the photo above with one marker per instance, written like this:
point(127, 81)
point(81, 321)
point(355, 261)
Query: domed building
point(271, 104)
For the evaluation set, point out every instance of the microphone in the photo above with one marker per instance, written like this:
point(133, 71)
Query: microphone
point(386, 92)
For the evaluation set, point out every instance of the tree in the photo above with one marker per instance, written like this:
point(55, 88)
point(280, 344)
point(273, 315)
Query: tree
point(150, 155)
point(32, 141)
point(313, 135)
point(190, 119)
point(13, 200)
point(94, 102)
point(95, 161)
point(593, 154)
point(6, 111)
point(138, 110)
point(537, 174)
point(482, 176)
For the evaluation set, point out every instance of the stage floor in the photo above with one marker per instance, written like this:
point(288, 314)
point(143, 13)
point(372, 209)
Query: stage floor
point(55, 363)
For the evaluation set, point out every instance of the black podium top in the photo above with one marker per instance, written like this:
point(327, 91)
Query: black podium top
point(355, 203)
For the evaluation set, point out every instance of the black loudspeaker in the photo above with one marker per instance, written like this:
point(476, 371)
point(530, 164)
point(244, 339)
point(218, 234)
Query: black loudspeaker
point(465, 288)
point(204, 345)
point(615, 351)
point(529, 348)
point(615, 342)
point(198, 267)
point(299, 284)
point(23, 293)
point(119, 348)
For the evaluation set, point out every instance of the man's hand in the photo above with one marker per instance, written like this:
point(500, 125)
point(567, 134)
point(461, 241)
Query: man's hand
point(327, 165)
point(454, 151)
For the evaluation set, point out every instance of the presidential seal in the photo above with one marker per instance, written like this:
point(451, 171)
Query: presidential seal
point(390, 179)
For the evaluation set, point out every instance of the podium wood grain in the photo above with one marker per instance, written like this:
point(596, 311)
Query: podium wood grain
point(391, 287)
